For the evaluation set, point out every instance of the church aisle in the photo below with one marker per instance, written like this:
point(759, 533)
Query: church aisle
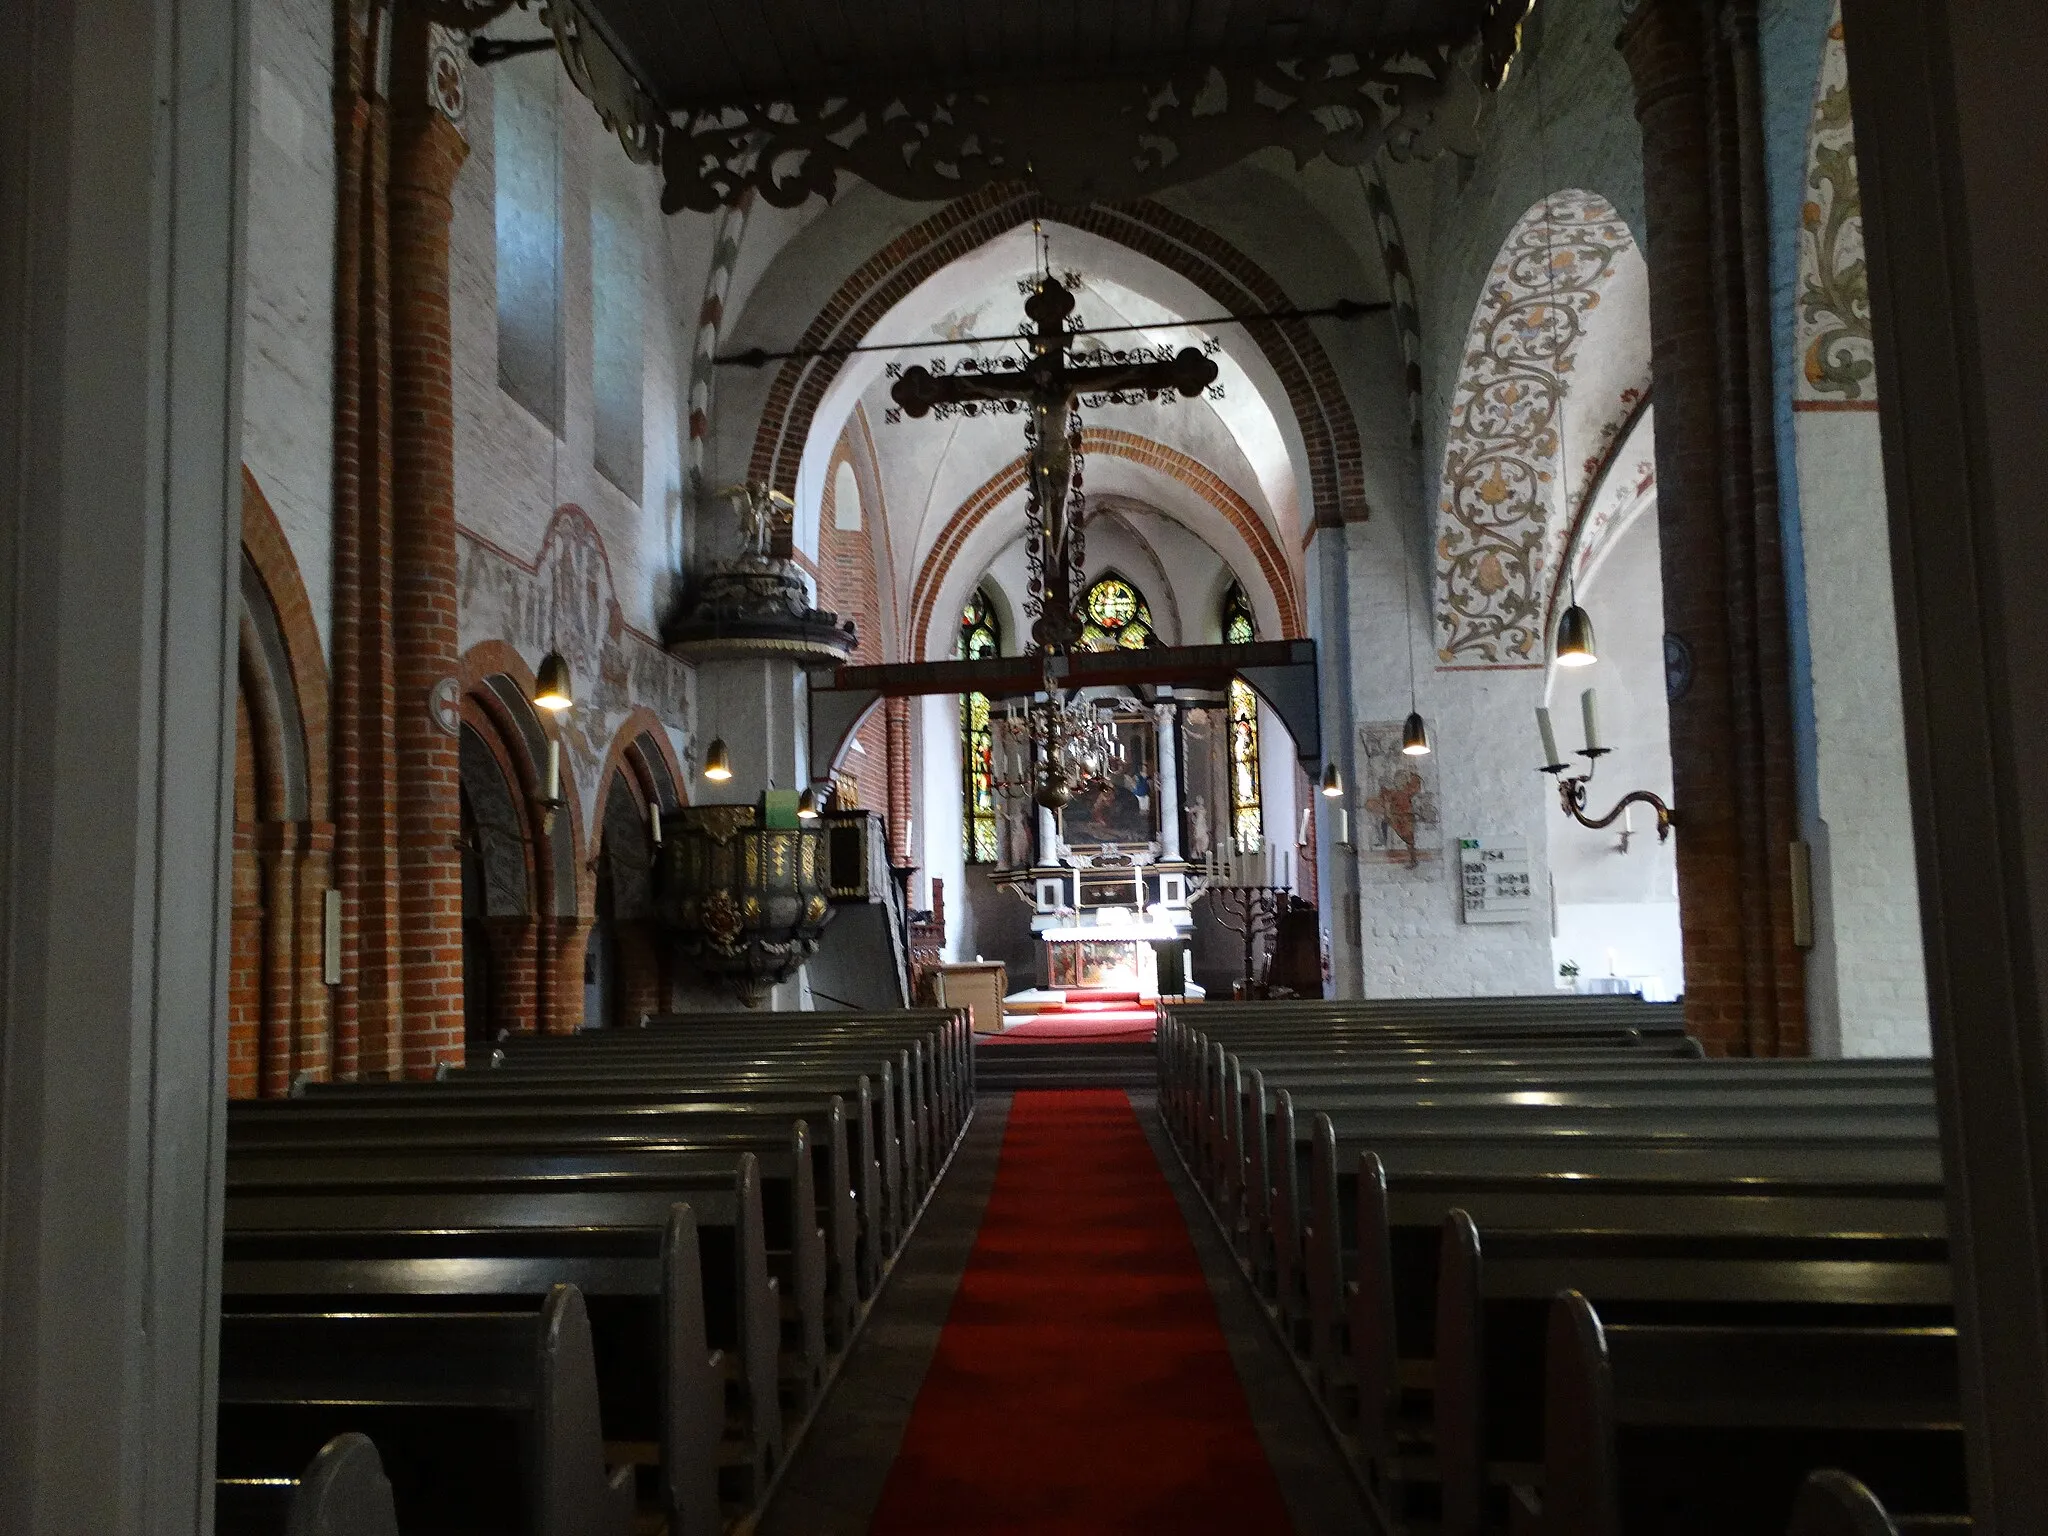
point(1082, 1381)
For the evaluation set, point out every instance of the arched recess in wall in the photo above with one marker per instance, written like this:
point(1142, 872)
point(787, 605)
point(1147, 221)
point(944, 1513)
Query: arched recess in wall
point(521, 936)
point(625, 971)
point(1557, 362)
point(279, 1018)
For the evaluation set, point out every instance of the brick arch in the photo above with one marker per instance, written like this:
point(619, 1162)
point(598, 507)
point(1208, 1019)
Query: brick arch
point(269, 552)
point(280, 1014)
point(1191, 473)
point(1237, 283)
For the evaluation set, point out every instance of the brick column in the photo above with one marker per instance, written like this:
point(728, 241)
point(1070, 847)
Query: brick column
point(565, 977)
point(278, 849)
point(427, 152)
point(896, 719)
point(366, 1003)
point(1717, 521)
point(515, 974)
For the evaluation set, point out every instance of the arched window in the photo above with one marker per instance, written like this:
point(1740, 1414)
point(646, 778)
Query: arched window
point(1247, 817)
point(981, 634)
point(1113, 614)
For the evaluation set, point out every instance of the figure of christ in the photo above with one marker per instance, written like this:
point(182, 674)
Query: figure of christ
point(1049, 384)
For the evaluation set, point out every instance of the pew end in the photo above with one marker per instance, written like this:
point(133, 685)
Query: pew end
point(342, 1491)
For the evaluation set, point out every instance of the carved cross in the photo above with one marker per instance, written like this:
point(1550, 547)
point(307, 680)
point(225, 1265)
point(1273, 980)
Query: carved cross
point(1049, 381)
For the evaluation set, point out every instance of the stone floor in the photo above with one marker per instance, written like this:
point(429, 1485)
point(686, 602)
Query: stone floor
point(835, 1480)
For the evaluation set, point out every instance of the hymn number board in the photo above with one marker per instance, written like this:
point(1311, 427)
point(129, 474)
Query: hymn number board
point(1496, 884)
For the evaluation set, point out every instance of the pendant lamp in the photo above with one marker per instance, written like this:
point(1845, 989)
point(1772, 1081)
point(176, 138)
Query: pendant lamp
point(807, 805)
point(1333, 782)
point(1575, 638)
point(1415, 736)
point(718, 760)
point(551, 689)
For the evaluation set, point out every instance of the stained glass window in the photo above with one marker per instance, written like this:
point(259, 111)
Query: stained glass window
point(981, 634)
point(1113, 614)
point(1247, 816)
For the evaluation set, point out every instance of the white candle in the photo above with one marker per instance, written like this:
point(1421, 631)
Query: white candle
point(654, 822)
point(1589, 709)
point(1550, 757)
point(554, 781)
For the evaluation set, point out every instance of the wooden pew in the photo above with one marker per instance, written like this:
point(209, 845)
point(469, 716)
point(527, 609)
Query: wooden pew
point(1671, 1429)
point(1832, 1503)
point(806, 1179)
point(633, 1087)
point(342, 1491)
point(914, 1112)
point(1706, 1256)
point(685, 1315)
point(484, 1420)
point(752, 1261)
point(1672, 1130)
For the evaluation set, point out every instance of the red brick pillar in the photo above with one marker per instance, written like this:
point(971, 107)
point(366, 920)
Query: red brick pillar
point(896, 715)
point(572, 941)
point(366, 1002)
point(427, 152)
point(277, 848)
point(515, 973)
point(1717, 521)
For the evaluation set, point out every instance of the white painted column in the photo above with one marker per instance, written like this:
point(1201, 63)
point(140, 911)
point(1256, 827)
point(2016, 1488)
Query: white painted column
point(120, 362)
point(1166, 783)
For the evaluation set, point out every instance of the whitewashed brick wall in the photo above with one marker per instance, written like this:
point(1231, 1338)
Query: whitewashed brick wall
point(288, 336)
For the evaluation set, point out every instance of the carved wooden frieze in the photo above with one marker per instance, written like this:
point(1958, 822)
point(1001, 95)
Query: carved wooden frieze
point(1079, 142)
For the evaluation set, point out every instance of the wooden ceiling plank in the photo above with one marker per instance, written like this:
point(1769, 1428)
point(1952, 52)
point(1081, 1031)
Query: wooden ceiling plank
point(758, 71)
point(982, 37)
point(945, 36)
point(1208, 27)
point(792, 31)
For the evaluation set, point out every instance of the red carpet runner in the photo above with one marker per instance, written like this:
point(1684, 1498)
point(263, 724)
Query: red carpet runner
point(1085, 1015)
point(1081, 1382)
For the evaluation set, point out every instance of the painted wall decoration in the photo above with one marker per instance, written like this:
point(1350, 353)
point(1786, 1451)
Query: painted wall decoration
point(1837, 360)
point(565, 599)
point(1401, 823)
point(1496, 527)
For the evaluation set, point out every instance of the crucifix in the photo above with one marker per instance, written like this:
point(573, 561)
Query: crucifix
point(1048, 382)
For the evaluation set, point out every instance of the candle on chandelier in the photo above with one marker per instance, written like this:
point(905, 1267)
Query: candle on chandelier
point(1589, 710)
point(1550, 754)
point(554, 780)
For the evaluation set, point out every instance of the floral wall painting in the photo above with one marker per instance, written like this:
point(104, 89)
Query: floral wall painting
point(1401, 822)
point(1500, 513)
point(1837, 359)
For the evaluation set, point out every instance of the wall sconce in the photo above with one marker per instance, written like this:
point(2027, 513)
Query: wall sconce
point(1572, 791)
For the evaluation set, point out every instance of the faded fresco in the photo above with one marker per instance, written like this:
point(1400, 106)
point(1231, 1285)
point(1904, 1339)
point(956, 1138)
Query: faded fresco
point(1400, 819)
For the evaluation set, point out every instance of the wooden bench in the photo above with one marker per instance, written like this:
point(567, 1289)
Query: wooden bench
point(807, 1179)
point(1832, 1503)
point(1669, 1429)
point(485, 1421)
point(685, 1314)
point(916, 1110)
point(342, 1491)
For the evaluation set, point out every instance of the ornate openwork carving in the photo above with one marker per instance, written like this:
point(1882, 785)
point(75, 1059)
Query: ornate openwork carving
point(610, 87)
point(1079, 142)
point(1495, 511)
